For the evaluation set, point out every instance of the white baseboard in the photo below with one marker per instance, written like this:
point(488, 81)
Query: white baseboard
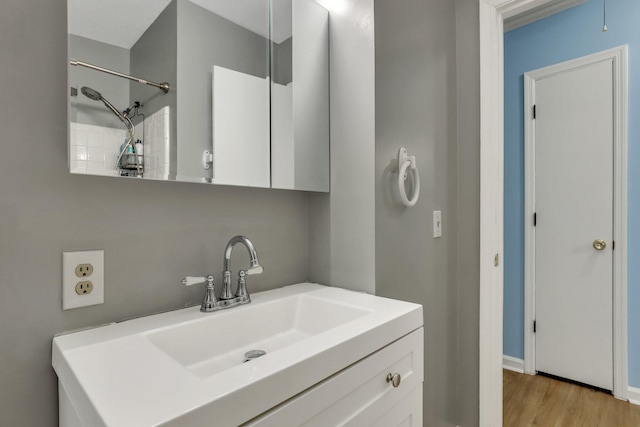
point(514, 364)
point(634, 395)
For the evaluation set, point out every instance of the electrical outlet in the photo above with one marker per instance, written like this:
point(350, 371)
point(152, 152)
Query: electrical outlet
point(84, 287)
point(89, 289)
point(84, 270)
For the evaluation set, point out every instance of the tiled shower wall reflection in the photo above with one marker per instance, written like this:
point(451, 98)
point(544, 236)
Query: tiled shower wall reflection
point(156, 144)
point(94, 149)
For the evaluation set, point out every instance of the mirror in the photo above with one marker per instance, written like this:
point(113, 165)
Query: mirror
point(181, 90)
point(300, 95)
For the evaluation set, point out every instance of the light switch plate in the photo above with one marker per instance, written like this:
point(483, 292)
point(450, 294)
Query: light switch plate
point(70, 278)
point(437, 224)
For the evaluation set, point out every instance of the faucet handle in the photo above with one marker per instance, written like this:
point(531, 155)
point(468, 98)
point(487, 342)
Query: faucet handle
point(210, 300)
point(241, 290)
point(194, 280)
point(255, 268)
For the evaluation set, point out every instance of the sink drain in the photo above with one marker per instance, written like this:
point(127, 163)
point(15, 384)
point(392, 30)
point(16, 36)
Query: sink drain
point(253, 354)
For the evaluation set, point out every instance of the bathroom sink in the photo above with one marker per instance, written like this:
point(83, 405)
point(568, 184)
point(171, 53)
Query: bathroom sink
point(217, 342)
point(188, 368)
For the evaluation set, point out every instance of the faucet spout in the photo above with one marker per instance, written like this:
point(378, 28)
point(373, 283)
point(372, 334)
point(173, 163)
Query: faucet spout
point(255, 268)
point(252, 253)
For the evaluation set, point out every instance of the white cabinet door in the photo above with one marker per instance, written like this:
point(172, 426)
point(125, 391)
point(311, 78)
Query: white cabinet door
point(407, 413)
point(360, 395)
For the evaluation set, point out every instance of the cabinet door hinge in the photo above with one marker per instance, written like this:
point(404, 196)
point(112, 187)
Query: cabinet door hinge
point(534, 111)
point(613, 245)
point(535, 219)
point(534, 326)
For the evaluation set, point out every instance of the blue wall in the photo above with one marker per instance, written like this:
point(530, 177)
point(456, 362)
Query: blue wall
point(571, 34)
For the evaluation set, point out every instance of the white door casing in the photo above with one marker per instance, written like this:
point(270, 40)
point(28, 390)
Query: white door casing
point(491, 16)
point(573, 181)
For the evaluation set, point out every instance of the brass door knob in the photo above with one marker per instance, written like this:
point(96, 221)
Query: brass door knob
point(599, 245)
point(394, 379)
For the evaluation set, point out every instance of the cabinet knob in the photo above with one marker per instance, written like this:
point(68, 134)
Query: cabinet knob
point(394, 379)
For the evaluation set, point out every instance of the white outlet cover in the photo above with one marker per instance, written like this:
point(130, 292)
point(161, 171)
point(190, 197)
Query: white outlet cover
point(70, 299)
point(437, 224)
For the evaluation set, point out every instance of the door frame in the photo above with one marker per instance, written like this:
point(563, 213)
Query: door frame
point(491, 37)
point(618, 56)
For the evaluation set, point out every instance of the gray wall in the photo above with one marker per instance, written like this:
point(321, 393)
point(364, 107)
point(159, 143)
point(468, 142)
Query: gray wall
point(468, 201)
point(204, 40)
point(181, 228)
point(153, 233)
point(114, 89)
point(416, 108)
point(153, 57)
point(342, 223)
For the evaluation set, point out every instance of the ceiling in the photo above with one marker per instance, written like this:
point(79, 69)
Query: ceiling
point(122, 22)
point(116, 22)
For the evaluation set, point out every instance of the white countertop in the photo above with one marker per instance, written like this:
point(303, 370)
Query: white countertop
point(115, 376)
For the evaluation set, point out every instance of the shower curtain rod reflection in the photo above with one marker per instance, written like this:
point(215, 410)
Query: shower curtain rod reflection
point(162, 86)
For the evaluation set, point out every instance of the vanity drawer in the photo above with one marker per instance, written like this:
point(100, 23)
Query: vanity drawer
point(406, 413)
point(360, 395)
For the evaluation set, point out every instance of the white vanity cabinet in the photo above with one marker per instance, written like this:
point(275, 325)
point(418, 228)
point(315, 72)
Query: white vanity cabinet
point(328, 350)
point(360, 395)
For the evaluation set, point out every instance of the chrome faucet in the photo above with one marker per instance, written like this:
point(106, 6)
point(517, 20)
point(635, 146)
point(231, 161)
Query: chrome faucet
point(256, 268)
point(227, 299)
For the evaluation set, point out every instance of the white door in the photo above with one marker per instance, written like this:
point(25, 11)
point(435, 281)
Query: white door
point(574, 210)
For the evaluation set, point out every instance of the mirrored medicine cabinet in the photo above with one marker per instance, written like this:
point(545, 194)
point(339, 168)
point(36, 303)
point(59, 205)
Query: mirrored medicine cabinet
point(230, 92)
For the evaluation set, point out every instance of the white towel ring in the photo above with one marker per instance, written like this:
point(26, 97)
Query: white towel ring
point(407, 164)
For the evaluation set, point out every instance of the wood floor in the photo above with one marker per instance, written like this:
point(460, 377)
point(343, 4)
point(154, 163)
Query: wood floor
point(534, 400)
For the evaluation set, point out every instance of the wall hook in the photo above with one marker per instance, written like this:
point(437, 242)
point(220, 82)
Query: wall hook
point(407, 164)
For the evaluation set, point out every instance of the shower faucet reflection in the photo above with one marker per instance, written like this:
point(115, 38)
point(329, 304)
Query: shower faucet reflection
point(97, 96)
point(133, 161)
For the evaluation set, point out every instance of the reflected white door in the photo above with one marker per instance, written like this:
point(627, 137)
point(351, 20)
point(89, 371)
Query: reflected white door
point(574, 209)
